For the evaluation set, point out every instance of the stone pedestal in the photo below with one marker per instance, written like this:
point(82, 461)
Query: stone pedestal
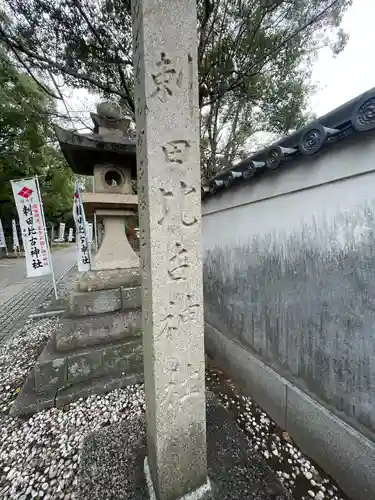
point(96, 347)
point(115, 251)
point(168, 158)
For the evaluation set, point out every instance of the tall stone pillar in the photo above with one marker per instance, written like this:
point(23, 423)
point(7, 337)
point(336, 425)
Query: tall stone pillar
point(167, 117)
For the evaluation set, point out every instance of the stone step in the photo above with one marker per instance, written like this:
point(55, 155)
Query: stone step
point(104, 301)
point(109, 278)
point(57, 370)
point(95, 386)
point(86, 331)
point(29, 402)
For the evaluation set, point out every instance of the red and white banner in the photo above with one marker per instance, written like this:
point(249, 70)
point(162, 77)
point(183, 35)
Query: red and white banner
point(62, 231)
point(16, 242)
point(90, 232)
point(83, 247)
point(31, 218)
point(2, 237)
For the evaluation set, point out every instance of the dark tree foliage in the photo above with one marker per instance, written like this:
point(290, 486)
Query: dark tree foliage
point(254, 58)
point(27, 145)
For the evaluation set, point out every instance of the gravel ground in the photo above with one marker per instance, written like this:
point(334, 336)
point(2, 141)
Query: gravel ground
point(39, 456)
point(112, 462)
point(300, 475)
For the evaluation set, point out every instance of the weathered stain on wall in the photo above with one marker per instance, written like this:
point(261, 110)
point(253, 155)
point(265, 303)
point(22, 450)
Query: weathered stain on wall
point(304, 302)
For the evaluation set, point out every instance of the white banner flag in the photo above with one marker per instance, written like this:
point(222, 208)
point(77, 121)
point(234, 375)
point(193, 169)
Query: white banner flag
point(90, 234)
point(83, 253)
point(30, 213)
point(70, 235)
point(2, 237)
point(16, 242)
point(62, 231)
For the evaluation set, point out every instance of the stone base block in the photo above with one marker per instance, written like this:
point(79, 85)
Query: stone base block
point(59, 304)
point(95, 386)
point(104, 301)
point(85, 331)
point(55, 370)
point(98, 341)
point(204, 492)
point(131, 297)
point(29, 402)
point(106, 279)
point(59, 378)
point(112, 462)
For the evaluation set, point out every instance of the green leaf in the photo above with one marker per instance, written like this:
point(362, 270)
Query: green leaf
point(25, 145)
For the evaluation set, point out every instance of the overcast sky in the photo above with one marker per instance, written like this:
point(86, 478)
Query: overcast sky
point(353, 71)
point(338, 79)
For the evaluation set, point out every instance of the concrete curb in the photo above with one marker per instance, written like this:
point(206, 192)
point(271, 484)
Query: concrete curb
point(344, 453)
point(46, 314)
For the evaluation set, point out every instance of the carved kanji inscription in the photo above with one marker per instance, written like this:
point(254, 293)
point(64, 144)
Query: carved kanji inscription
point(187, 388)
point(166, 78)
point(166, 195)
point(170, 202)
point(187, 218)
point(176, 151)
point(178, 266)
point(181, 309)
point(137, 22)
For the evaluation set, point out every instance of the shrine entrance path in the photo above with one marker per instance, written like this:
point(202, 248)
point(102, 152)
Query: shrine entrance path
point(20, 296)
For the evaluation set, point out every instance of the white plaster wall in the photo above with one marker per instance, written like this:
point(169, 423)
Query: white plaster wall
point(266, 246)
point(285, 213)
point(281, 197)
point(289, 282)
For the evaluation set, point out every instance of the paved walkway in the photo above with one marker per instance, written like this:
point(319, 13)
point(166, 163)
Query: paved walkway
point(19, 295)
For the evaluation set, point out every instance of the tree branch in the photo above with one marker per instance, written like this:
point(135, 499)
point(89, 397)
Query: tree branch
point(204, 38)
point(48, 63)
point(277, 48)
point(208, 9)
point(129, 99)
point(30, 73)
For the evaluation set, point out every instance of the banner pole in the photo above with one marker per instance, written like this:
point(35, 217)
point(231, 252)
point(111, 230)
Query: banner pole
point(46, 237)
point(81, 225)
point(16, 248)
point(3, 235)
point(21, 179)
point(96, 232)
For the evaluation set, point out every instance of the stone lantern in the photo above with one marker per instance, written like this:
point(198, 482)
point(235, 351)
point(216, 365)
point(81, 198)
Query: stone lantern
point(97, 345)
point(109, 155)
